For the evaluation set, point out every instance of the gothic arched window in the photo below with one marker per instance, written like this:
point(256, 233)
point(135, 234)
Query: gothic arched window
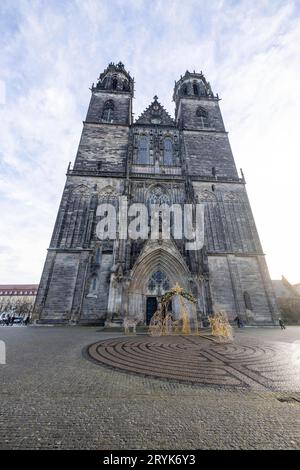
point(202, 90)
point(105, 82)
point(97, 257)
point(202, 114)
point(195, 89)
point(93, 284)
point(114, 83)
point(158, 196)
point(168, 151)
point(184, 89)
point(143, 150)
point(160, 281)
point(108, 111)
point(247, 300)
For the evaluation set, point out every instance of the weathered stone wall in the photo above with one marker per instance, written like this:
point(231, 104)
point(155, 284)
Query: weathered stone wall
point(221, 285)
point(122, 107)
point(229, 223)
point(188, 109)
point(205, 150)
point(75, 224)
point(102, 148)
point(230, 277)
point(61, 280)
point(94, 305)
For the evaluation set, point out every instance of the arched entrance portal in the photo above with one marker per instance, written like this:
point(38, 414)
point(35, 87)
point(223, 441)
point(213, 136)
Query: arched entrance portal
point(158, 284)
point(155, 272)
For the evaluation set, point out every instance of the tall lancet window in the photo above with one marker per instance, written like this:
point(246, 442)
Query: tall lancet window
point(195, 89)
point(108, 111)
point(168, 151)
point(247, 300)
point(114, 83)
point(143, 150)
point(93, 284)
point(184, 89)
point(202, 115)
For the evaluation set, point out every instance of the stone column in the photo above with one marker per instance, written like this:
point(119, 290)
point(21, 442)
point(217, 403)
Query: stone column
point(115, 295)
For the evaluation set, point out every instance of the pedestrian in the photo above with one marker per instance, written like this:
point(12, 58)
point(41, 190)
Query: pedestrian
point(7, 319)
point(238, 321)
point(12, 319)
point(281, 323)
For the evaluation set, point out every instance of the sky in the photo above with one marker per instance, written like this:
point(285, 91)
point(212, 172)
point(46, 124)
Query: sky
point(51, 53)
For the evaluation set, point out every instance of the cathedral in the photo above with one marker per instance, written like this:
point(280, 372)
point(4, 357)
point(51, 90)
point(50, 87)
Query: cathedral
point(155, 158)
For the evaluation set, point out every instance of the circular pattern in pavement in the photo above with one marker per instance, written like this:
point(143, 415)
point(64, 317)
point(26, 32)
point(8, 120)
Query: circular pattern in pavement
point(196, 359)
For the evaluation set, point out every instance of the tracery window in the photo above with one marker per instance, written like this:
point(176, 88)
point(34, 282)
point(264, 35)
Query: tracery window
point(202, 114)
point(184, 90)
point(195, 89)
point(114, 83)
point(158, 281)
point(158, 196)
point(143, 150)
point(93, 284)
point(168, 151)
point(108, 111)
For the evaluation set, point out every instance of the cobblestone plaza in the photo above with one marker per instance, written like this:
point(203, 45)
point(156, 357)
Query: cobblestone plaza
point(54, 396)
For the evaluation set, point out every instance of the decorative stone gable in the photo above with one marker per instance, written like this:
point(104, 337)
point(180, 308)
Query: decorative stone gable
point(155, 114)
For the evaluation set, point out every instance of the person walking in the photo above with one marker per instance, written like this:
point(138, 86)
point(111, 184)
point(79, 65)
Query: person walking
point(281, 323)
point(238, 321)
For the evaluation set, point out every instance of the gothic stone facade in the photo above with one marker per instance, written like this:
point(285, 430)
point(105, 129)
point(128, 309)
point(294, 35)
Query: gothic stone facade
point(156, 158)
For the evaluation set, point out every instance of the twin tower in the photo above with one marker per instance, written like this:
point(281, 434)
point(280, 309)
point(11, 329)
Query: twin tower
point(161, 160)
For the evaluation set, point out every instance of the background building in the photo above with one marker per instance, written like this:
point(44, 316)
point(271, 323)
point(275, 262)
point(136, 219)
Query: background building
point(17, 298)
point(163, 160)
point(288, 298)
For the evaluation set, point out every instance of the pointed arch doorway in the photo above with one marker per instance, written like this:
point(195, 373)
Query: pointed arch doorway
point(158, 284)
point(151, 307)
point(155, 272)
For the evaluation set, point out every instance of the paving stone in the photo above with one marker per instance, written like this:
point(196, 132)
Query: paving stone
point(53, 397)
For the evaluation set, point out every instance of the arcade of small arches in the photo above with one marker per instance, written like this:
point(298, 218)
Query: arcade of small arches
point(115, 80)
point(193, 88)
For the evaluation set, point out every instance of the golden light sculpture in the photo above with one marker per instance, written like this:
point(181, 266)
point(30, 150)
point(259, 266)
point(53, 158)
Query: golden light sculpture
point(156, 324)
point(220, 327)
point(163, 323)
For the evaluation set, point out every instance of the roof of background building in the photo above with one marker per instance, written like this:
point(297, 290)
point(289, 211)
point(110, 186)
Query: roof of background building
point(284, 289)
point(297, 287)
point(18, 289)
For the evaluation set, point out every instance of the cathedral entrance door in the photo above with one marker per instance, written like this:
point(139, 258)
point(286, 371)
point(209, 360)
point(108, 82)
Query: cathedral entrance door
point(151, 308)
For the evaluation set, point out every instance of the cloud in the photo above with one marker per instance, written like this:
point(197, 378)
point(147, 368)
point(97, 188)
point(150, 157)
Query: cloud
point(53, 51)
